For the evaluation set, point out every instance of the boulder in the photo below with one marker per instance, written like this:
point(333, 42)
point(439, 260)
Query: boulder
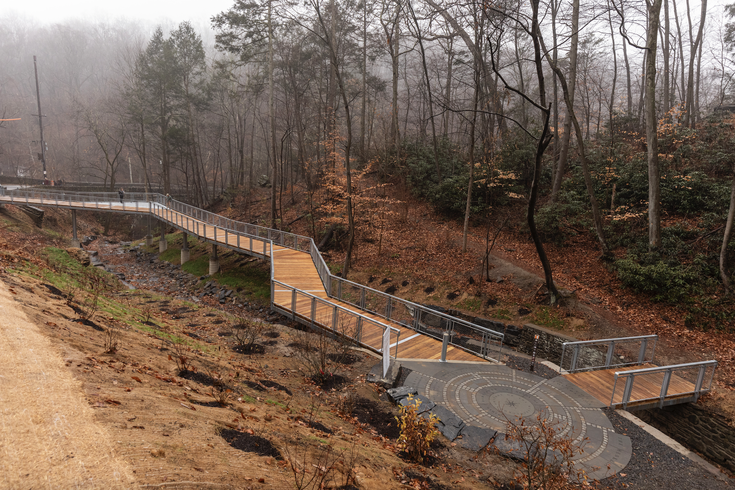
point(79, 255)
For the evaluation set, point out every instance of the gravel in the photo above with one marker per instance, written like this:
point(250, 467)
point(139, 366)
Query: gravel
point(654, 465)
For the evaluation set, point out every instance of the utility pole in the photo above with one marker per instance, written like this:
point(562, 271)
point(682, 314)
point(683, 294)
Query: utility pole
point(40, 122)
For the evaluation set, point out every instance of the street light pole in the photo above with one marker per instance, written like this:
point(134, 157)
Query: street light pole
point(40, 121)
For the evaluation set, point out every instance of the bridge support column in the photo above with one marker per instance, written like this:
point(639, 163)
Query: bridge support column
point(162, 243)
point(74, 240)
point(149, 236)
point(213, 261)
point(185, 250)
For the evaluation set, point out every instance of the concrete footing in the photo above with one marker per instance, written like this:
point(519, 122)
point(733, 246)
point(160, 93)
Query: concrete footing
point(74, 240)
point(213, 261)
point(185, 256)
point(149, 240)
point(162, 244)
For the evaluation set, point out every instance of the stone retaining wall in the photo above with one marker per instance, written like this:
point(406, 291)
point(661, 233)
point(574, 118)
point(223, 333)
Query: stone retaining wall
point(708, 433)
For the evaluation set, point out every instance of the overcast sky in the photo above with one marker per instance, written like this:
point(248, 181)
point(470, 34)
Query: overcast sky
point(51, 11)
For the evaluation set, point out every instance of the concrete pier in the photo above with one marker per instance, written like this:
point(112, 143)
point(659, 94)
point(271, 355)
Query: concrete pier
point(162, 243)
point(185, 255)
point(213, 261)
point(75, 240)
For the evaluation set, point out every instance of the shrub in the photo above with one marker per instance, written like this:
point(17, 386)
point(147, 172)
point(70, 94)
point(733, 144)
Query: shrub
point(112, 340)
point(417, 431)
point(181, 357)
point(664, 282)
point(547, 455)
point(247, 333)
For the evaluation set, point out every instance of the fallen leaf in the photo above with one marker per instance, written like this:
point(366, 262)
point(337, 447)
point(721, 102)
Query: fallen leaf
point(112, 402)
point(136, 379)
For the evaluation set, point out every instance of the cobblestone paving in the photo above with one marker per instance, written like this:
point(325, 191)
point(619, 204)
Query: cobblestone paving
point(489, 396)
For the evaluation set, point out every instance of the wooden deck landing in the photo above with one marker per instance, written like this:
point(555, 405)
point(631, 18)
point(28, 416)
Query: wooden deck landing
point(600, 385)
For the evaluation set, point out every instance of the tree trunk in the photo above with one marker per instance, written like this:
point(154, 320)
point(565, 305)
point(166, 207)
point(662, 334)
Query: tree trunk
point(472, 160)
point(667, 56)
point(564, 152)
point(628, 81)
point(654, 177)
point(272, 117)
point(428, 90)
point(726, 238)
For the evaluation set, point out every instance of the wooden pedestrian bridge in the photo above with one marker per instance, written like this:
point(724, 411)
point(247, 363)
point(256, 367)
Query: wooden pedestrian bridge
point(303, 289)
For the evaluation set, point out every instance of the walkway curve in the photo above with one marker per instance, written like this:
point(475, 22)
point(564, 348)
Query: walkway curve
point(488, 396)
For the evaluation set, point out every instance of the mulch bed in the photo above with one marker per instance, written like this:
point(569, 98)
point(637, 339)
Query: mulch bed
point(250, 443)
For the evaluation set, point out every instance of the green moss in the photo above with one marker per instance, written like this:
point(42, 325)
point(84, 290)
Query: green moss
point(172, 255)
point(198, 266)
point(471, 304)
point(547, 317)
point(276, 403)
point(502, 314)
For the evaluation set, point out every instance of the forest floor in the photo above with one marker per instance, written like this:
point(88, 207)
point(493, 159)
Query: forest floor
point(167, 426)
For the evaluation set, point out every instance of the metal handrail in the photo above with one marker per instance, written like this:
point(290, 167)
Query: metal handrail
point(417, 311)
point(610, 343)
point(335, 307)
point(252, 231)
point(668, 371)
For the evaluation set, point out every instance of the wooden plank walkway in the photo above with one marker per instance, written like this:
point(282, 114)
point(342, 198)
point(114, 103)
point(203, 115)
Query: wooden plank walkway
point(600, 385)
point(291, 267)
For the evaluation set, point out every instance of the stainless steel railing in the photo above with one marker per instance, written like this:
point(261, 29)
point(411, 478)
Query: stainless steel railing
point(465, 335)
point(618, 352)
point(339, 320)
point(705, 372)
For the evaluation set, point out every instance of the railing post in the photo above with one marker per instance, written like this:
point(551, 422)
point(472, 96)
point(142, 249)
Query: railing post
point(610, 352)
point(238, 240)
point(700, 380)
point(293, 304)
point(445, 344)
point(313, 310)
point(628, 390)
point(665, 386)
point(575, 357)
point(359, 329)
point(642, 351)
point(388, 309)
point(334, 318)
point(362, 298)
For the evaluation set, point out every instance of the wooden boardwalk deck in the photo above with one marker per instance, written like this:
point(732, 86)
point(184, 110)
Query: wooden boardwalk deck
point(645, 389)
point(291, 267)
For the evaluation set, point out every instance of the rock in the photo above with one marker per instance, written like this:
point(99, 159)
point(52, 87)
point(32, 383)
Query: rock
point(397, 394)
point(509, 449)
point(448, 424)
point(475, 438)
point(422, 403)
point(79, 255)
point(376, 375)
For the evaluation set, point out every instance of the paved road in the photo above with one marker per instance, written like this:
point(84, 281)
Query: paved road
point(488, 396)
